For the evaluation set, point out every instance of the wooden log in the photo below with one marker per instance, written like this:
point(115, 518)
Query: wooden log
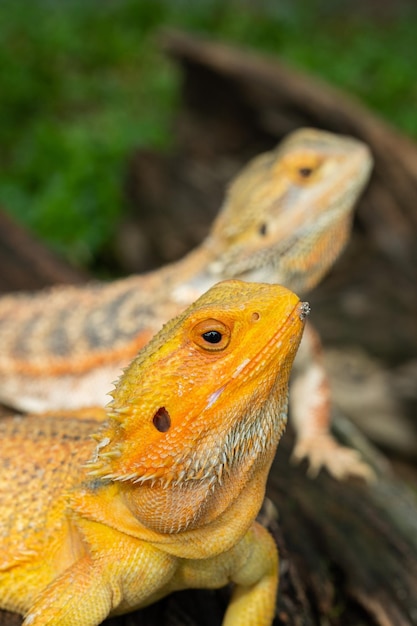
point(352, 543)
point(28, 264)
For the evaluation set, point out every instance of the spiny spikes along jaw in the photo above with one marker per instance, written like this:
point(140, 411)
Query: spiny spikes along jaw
point(190, 382)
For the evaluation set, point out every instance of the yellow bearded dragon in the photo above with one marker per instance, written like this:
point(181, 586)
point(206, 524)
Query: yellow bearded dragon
point(165, 495)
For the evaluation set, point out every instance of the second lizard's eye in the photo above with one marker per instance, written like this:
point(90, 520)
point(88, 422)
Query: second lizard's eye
point(305, 172)
point(211, 335)
point(302, 166)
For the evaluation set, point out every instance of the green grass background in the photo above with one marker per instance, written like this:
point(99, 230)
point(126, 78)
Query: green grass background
point(82, 82)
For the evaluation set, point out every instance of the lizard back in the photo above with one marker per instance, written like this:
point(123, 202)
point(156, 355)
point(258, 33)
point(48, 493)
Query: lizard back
point(39, 455)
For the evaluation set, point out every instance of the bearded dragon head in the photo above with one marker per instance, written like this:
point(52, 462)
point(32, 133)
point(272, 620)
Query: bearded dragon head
point(207, 397)
point(288, 214)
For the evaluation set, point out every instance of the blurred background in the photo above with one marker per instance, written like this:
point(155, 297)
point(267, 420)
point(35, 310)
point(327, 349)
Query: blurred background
point(84, 83)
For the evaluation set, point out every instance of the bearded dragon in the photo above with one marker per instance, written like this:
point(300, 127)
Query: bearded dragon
point(285, 219)
point(165, 495)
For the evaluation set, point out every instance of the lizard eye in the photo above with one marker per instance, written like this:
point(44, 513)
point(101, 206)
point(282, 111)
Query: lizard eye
point(305, 172)
point(211, 335)
point(302, 167)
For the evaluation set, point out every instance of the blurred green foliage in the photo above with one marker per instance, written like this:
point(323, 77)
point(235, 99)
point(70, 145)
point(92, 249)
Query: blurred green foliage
point(82, 82)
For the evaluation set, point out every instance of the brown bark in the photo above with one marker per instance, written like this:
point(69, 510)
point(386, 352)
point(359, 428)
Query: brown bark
point(27, 264)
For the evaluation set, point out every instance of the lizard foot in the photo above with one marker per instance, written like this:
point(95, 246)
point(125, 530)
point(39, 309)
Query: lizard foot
point(321, 450)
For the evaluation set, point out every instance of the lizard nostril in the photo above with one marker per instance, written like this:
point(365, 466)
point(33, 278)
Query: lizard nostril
point(255, 316)
point(162, 420)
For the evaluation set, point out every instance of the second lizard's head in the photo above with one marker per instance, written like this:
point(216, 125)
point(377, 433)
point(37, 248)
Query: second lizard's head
point(288, 213)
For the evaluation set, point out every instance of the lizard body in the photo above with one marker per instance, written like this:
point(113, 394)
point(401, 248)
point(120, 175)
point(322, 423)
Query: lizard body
point(285, 219)
point(166, 495)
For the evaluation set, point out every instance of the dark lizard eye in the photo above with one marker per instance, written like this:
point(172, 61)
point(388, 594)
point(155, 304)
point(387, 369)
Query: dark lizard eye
point(305, 172)
point(303, 165)
point(212, 336)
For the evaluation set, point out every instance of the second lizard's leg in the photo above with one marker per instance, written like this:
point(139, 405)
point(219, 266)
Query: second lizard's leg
point(310, 404)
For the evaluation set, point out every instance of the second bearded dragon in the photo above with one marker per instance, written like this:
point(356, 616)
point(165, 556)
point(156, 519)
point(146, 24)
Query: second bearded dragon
point(286, 218)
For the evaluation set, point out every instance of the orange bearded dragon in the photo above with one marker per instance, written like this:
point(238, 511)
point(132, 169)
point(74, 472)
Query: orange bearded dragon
point(165, 496)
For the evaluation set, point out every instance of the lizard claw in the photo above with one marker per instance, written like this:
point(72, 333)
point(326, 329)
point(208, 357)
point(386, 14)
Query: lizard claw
point(321, 450)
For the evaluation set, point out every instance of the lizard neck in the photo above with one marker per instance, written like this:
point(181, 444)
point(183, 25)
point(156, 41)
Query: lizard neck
point(235, 461)
point(194, 505)
point(216, 523)
point(309, 259)
point(193, 516)
point(188, 278)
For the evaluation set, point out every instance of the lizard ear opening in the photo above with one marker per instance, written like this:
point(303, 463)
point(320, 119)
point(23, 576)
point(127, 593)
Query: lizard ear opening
point(263, 229)
point(162, 420)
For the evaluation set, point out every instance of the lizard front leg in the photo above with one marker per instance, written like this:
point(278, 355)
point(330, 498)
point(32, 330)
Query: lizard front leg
point(117, 574)
point(251, 564)
point(254, 597)
point(310, 411)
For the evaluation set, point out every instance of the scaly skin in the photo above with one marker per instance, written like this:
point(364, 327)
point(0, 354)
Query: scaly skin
point(285, 220)
point(167, 495)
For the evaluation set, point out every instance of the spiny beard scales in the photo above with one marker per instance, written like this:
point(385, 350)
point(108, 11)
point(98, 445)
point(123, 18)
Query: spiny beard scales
point(247, 442)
